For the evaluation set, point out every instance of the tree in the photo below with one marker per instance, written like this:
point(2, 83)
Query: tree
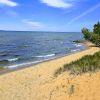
point(85, 30)
point(86, 33)
point(96, 29)
point(94, 36)
point(96, 39)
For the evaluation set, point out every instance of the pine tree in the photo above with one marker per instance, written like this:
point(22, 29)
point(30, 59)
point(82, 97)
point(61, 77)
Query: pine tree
point(96, 29)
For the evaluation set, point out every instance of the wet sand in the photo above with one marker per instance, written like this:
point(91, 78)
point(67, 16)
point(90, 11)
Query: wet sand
point(38, 82)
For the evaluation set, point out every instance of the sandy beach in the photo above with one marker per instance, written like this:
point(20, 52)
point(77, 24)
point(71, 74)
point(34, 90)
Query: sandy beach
point(38, 82)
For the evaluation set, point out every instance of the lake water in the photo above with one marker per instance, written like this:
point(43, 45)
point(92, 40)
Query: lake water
point(24, 48)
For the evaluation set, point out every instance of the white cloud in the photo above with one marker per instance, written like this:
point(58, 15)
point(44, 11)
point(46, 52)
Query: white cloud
point(8, 3)
point(57, 3)
point(84, 14)
point(33, 24)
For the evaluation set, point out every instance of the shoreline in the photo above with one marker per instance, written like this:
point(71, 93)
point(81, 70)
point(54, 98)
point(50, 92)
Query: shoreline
point(38, 81)
point(8, 70)
point(31, 64)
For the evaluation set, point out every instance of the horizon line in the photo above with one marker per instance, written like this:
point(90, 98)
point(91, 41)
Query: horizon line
point(36, 31)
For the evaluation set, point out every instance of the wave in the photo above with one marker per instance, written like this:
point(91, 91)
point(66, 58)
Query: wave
point(9, 60)
point(75, 50)
point(26, 64)
point(44, 56)
point(3, 61)
point(78, 45)
point(23, 64)
point(13, 59)
point(5, 55)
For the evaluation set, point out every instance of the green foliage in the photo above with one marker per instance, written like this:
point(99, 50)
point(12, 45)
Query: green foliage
point(86, 33)
point(94, 36)
point(96, 29)
point(95, 39)
point(85, 30)
point(89, 63)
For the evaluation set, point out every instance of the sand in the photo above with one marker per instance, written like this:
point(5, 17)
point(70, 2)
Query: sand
point(38, 82)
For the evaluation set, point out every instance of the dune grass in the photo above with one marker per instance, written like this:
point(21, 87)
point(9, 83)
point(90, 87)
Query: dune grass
point(89, 63)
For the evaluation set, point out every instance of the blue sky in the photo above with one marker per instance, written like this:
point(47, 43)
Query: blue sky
point(48, 15)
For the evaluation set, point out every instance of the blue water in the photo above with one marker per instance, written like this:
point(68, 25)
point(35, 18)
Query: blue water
point(21, 48)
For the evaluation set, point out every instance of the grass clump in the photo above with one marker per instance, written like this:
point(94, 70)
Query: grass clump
point(88, 63)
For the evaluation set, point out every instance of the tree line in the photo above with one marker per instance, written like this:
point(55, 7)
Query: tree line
point(93, 36)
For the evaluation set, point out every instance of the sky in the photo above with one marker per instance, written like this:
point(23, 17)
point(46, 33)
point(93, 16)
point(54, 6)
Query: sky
point(49, 15)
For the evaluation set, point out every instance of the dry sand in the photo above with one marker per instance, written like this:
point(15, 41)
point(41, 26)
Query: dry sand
point(38, 82)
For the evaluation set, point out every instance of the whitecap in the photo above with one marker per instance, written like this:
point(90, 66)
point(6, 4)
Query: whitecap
point(44, 56)
point(78, 45)
point(13, 59)
point(24, 64)
point(75, 50)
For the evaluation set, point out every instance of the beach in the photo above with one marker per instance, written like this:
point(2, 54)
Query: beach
point(39, 83)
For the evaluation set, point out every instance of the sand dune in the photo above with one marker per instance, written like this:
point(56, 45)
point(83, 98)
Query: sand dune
point(38, 82)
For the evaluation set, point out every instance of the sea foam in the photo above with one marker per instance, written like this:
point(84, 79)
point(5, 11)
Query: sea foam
point(44, 56)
